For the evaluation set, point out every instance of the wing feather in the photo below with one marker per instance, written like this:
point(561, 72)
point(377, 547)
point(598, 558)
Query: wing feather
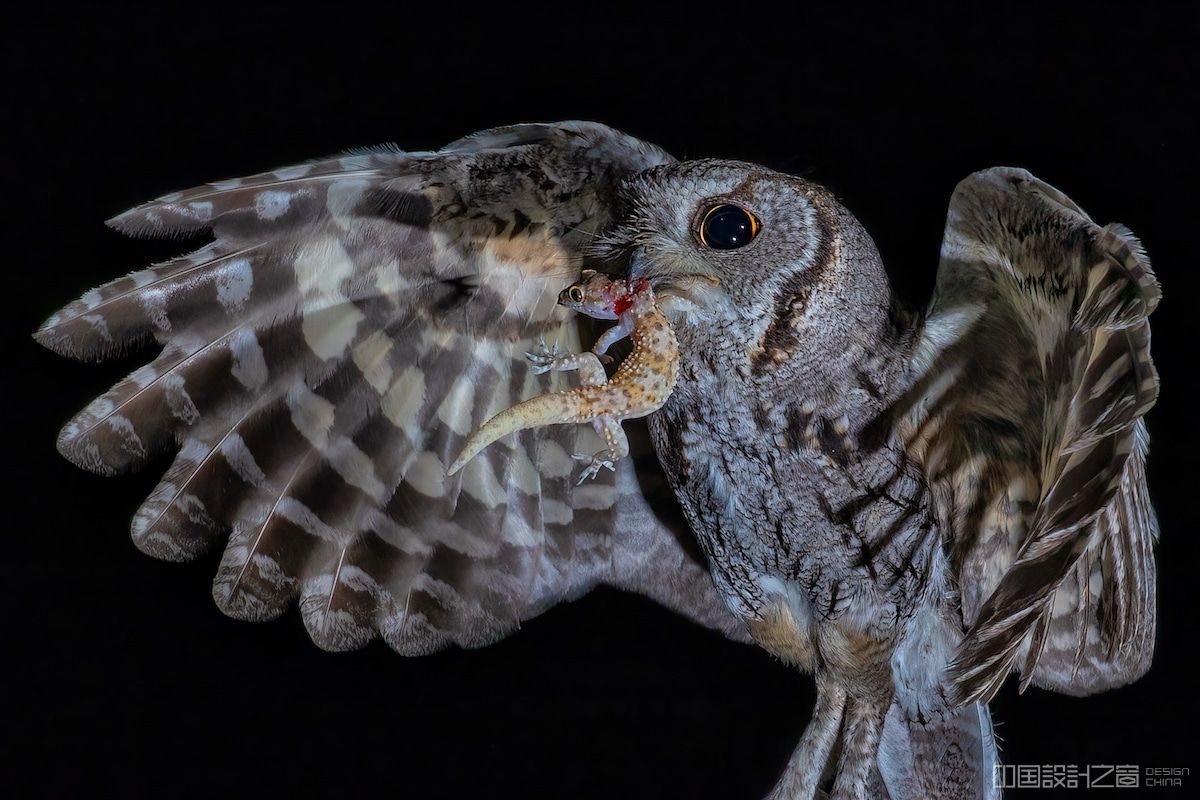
point(1037, 453)
point(323, 359)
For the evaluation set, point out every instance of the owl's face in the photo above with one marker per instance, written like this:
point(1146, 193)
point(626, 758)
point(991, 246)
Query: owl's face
point(770, 263)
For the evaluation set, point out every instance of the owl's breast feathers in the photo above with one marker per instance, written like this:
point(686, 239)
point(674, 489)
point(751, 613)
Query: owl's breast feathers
point(809, 512)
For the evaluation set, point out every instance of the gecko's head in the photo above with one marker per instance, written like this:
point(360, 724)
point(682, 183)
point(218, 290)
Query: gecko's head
point(770, 261)
point(597, 295)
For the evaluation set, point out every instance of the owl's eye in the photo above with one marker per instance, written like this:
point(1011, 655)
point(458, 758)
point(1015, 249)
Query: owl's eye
point(727, 227)
point(576, 294)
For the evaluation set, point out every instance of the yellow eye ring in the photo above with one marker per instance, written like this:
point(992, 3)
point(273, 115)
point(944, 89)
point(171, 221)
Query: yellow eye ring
point(576, 294)
point(726, 226)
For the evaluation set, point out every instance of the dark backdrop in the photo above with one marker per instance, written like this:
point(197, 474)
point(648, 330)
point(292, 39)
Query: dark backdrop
point(129, 682)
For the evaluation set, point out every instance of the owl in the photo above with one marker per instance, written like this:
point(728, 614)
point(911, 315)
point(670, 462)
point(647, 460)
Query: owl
point(909, 504)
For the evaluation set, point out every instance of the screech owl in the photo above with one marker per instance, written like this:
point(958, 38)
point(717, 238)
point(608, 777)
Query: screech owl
point(910, 504)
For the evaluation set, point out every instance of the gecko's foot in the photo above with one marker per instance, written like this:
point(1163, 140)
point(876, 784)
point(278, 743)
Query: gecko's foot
point(542, 357)
point(605, 358)
point(595, 463)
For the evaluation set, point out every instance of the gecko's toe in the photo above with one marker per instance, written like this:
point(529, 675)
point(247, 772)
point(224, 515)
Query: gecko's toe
point(543, 357)
point(595, 464)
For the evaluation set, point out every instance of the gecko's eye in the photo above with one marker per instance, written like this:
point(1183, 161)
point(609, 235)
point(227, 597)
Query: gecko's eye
point(727, 227)
point(575, 294)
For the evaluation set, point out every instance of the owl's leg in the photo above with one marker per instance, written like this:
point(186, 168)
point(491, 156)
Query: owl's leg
point(860, 744)
point(544, 359)
point(810, 760)
point(610, 430)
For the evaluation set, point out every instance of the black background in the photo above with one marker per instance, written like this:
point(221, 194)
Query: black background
point(128, 681)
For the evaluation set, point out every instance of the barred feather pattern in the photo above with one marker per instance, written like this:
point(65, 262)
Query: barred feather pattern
point(323, 358)
point(1034, 373)
point(354, 319)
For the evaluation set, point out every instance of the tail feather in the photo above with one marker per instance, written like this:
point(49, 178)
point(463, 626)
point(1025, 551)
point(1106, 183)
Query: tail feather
point(943, 752)
point(909, 750)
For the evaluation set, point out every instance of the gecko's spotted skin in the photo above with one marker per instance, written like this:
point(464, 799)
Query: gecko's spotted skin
point(639, 387)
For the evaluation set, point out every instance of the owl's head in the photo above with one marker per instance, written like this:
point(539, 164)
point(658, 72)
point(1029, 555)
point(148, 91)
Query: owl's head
point(774, 273)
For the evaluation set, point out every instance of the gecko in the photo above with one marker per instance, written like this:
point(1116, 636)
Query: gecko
point(640, 386)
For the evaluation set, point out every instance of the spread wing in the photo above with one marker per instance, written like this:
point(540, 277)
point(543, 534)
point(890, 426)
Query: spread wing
point(352, 320)
point(1036, 373)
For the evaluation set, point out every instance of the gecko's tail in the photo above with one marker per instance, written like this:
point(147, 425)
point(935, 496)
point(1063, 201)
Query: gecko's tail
point(545, 409)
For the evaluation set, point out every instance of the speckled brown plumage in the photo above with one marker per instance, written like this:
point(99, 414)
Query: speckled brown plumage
point(909, 504)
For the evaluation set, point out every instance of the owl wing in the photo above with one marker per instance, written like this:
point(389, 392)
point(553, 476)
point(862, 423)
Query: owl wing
point(325, 356)
point(1035, 375)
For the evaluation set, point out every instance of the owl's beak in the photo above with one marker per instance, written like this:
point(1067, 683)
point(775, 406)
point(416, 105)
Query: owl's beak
point(664, 270)
point(639, 265)
point(675, 277)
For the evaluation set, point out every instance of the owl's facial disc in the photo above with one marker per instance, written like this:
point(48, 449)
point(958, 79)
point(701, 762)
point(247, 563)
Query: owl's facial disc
point(728, 236)
point(770, 270)
point(694, 263)
point(717, 225)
